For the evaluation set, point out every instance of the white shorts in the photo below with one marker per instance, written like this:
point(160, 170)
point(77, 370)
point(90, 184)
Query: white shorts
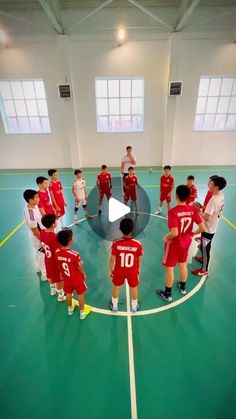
point(80, 201)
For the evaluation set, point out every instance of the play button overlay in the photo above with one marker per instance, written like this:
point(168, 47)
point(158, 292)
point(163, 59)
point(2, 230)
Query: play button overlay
point(106, 225)
point(116, 210)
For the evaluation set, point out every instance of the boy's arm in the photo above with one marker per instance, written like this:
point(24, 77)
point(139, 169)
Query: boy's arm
point(206, 217)
point(81, 270)
point(133, 159)
point(112, 262)
point(85, 192)
point(199, 230)
point(139, 263)
point(35, 232)
point(171, 235)
point(74, 192)
point(54, 201)
point(122, 167)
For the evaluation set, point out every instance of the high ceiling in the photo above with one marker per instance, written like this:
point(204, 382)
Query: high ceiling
point(75, 16)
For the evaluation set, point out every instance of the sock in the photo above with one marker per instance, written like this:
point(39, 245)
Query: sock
point(114, 302)
point(134, 303)
point(168, 291)
point(85, 210)
point(76, 210)
point(62, 222)
point(99, 207)
point(182, 285)
point(160, 209)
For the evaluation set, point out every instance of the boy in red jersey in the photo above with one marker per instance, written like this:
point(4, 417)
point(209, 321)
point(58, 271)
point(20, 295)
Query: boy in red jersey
point(45, 203)
point(178, 241)
point(57, 196)
point(166, 188)
point(71, 268)
point(125, 263)
point(104, 186)
point(130, 183)
point(50, 244)
point(193, 189)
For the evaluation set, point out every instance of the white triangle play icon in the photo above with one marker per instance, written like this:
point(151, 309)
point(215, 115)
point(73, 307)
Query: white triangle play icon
point(116, 209)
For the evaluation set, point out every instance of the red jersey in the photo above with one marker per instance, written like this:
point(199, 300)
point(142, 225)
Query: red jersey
point(193, 194)
point(57, 190)
point(166, 184)
point(68, 261)
point(131, 181)
point(104, 180)
point(45, 202)
point(207, 198)
point(127, 251)
point(183, 217)
point(50, 245)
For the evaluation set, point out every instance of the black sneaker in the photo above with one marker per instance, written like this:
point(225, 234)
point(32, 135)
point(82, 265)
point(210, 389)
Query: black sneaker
point(114, 310)
point(99, 212)
point(181, 288)
point(163, 295)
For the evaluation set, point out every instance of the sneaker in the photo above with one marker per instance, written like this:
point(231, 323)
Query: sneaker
point(83, 314)
point(76, 221)
point(53, 290)
point(89, 217)
point(134, 309)
point(163, 295)
point(158, 212)
point(71, 309)
point(61, 297)
point(199, 259)
point(182, 290)
point(113, 309)
point(199, 272)
point(99, 212)
point(137, 212)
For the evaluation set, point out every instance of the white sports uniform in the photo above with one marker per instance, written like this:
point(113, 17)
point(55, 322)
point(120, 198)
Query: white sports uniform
point(78, 188)
point(32, 218)
point(127, 163)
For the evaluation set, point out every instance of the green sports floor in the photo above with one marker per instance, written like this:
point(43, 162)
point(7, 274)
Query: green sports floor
point(170, 361)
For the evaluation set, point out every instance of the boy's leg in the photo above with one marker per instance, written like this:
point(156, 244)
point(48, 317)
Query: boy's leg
point(169, 280)
point(100, 204)
point(76, 208)
point(134, 298)
point(60, 291)
point(86, 212)
point(81, 302)
point(158, 211)
point(115, 298)
point(41, 264)
point(183, 270)
point(84, 308)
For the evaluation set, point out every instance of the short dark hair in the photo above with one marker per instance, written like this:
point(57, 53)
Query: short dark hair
point(183, 192)
point(48, 220)
point(29, 194)
point(51, 172)
point(190, 177)
point(167, 167)
point(64, 237)
point(128, 147)
point(130, 168)
point(104, 166)
point(213, 177)
point(40, 179)
point(77, 171)
point(126, 226)
point(220, 182)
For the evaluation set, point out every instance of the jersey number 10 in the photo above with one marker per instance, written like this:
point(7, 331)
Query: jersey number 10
point(127, 260)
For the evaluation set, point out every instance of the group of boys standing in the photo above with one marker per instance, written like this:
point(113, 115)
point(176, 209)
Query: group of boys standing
point(63, 267)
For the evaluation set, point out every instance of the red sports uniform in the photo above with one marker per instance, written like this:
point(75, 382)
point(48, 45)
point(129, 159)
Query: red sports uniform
point(166, 186)
point(182, 217)
point(57, 190)
point(127, 251)
point(207, 198)
point(68, 262)
point(50, 245)
point(193, 194)
point(45, 202)
point(104, 183)
point(130, 192)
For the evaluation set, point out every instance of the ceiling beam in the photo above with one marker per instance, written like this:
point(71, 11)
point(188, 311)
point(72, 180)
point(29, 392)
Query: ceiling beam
point(210, 19)
point(92, 13)
point(53, 19)
point(186, 9)
point(147, 12)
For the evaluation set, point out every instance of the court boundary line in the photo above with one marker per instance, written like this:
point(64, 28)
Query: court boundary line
point(12, 233)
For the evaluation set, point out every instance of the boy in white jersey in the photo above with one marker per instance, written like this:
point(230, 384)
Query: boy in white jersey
point(32, 218)
point(80, 194)
point(211, 216)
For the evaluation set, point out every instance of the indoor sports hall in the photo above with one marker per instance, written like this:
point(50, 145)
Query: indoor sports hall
point(80, 81)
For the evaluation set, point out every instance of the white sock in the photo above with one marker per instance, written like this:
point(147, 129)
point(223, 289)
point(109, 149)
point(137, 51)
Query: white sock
point(134, 303)
point(114, 302)
point(62, 222)
point(159, 209)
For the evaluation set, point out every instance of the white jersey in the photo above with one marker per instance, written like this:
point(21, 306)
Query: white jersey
point(127, 163)
point(214, 208)
point(78, 187)
point(32, 218)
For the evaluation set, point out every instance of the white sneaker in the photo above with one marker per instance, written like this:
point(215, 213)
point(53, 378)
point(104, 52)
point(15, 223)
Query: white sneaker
point(53, 290)
point(158, 212)
point(61, 297)
point(76, 221)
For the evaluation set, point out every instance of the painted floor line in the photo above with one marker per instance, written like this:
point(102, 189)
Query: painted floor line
point(12, 233)
point(230, 223)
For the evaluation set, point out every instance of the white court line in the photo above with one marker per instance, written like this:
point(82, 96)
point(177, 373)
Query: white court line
point(133, 399)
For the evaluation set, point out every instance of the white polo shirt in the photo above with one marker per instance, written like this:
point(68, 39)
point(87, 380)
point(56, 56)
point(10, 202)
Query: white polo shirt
point(214, 208)
point(127, 163)
point(32, 218)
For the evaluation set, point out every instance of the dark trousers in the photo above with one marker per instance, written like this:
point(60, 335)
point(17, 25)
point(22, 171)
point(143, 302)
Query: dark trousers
point(124, 176)
point(205, 247)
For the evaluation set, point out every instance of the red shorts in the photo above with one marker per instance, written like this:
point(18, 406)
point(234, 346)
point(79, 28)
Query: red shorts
point(53, 273)
point(130, 195)
point(106, 192)
point(174, 254)
point(61, 212)
point(78, 286)
point(164, 197)
point(119, 279)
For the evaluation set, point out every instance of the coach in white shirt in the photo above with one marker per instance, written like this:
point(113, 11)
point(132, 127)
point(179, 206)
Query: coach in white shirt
point(211, 217)
point(127, 161)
